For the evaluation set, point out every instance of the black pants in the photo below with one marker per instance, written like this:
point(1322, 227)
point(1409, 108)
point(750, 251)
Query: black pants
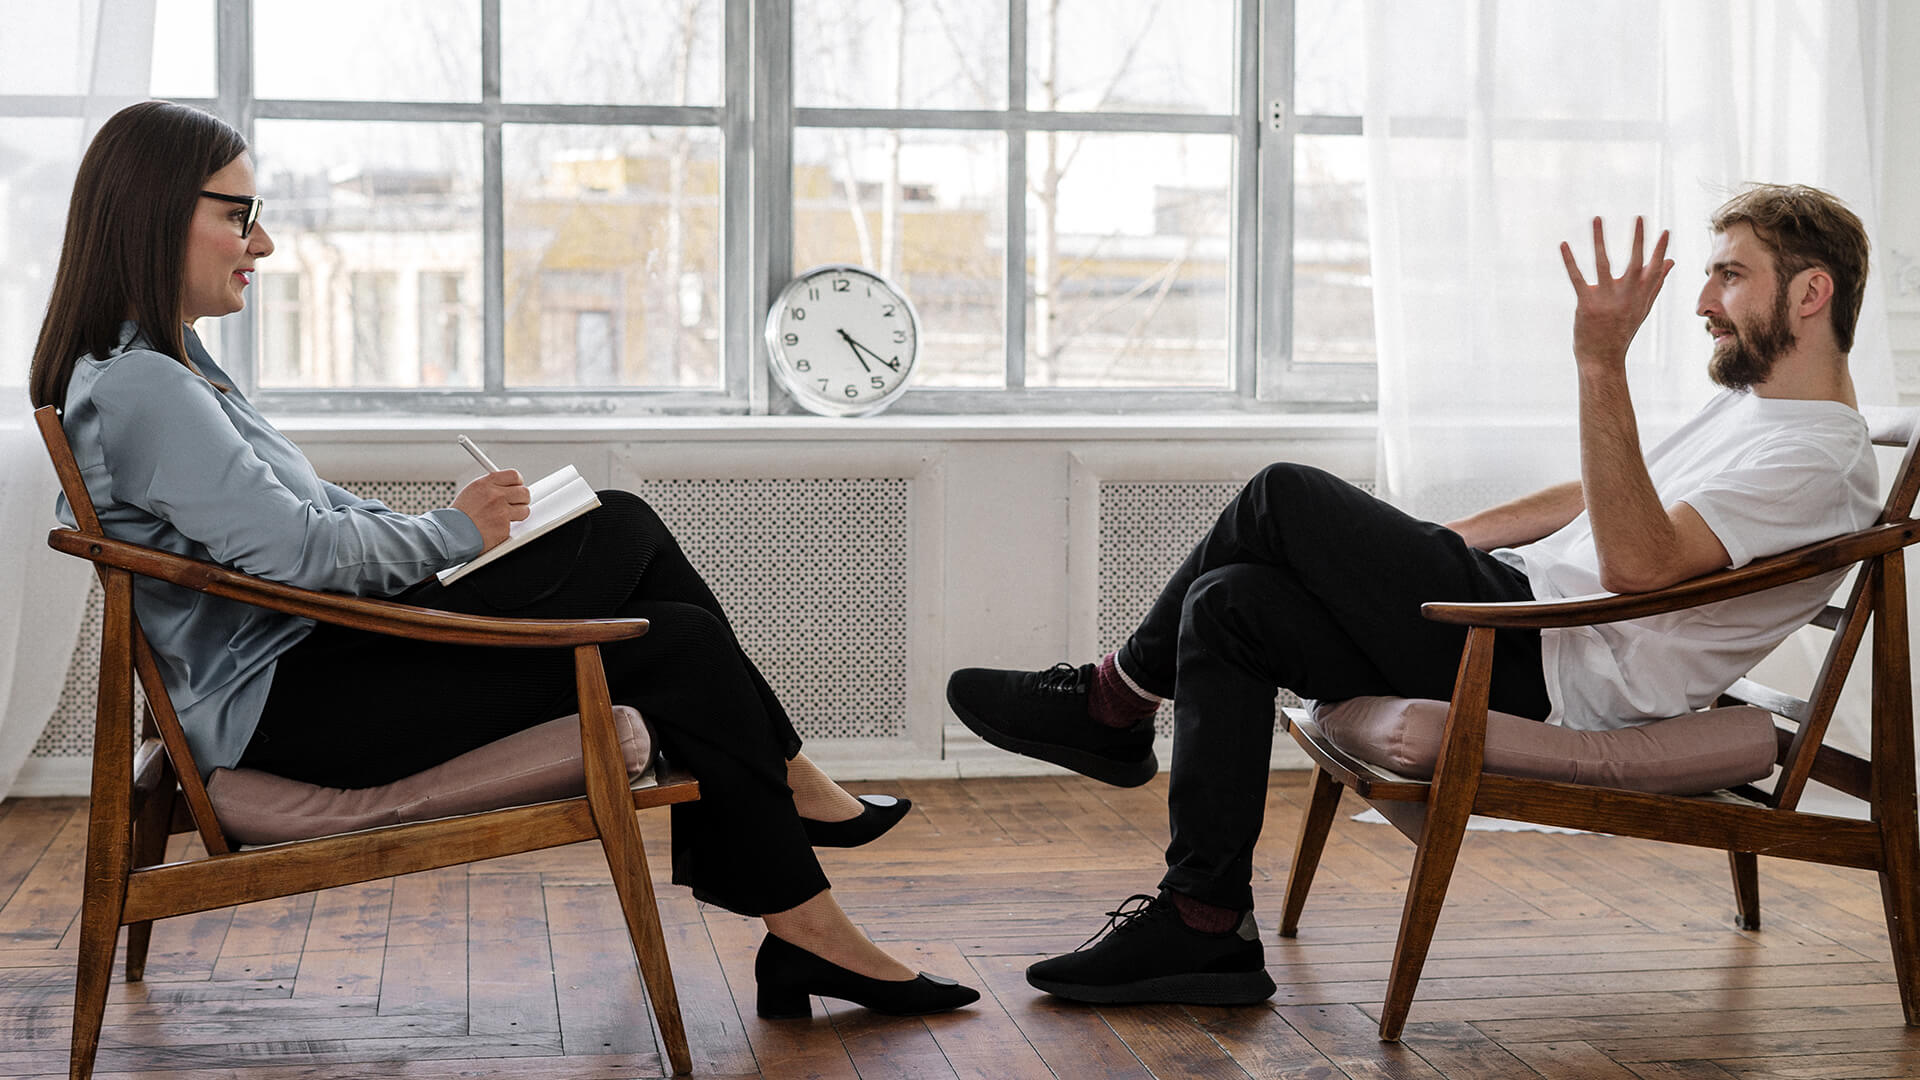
point(354, 709)
point(1308, 583)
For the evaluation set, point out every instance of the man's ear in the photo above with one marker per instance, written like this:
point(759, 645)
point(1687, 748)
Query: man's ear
point(1810, 291)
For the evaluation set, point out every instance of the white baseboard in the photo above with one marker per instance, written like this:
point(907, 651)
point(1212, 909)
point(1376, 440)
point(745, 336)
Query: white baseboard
point(973, 756)
point(966, 755)
point(46, 776)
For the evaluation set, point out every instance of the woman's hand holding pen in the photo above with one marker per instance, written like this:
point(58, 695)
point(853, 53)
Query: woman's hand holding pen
point(494, 502)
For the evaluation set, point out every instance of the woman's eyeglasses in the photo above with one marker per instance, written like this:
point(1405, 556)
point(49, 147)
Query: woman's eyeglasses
point(253, 203)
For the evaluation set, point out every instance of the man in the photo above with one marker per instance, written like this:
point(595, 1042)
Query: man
point(1310, 584)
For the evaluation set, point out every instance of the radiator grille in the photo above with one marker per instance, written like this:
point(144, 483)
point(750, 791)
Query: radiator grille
point(1146, 529)
point(812, 573)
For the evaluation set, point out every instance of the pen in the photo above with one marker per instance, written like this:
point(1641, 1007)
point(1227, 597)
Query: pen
point(485, 462)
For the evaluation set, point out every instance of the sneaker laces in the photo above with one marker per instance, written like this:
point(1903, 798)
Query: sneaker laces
point(1134, 907)
point(1061, 678)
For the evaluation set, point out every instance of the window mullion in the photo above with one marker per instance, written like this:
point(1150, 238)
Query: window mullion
point(493, 212)
point(1278, 125)
point(1016, 238)
point(1244, 298)
point(742, 260)
point(772, 210)
point(233, 87)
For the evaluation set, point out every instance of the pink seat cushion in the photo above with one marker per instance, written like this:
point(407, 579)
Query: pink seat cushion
point(539, 764)
point(1689, 754)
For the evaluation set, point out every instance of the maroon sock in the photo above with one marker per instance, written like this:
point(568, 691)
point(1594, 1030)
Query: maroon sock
point(1204, 917)
point(1112, 702)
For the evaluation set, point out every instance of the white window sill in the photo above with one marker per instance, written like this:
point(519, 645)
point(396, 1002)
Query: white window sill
point(315, 430)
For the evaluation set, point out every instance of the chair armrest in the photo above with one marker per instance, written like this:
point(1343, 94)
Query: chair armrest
point(1784, 569)
point(361, 613)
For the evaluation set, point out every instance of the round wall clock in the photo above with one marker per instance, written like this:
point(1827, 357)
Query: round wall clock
point(843, 340)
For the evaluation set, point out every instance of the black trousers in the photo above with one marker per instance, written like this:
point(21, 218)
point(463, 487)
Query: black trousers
point(355, 709)
point(1308, 583)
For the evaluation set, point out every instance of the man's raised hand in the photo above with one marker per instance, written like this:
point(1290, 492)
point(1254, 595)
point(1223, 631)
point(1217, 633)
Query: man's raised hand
point(1608, 312)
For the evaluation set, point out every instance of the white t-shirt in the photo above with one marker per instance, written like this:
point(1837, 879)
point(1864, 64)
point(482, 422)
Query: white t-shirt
point(1767, 475)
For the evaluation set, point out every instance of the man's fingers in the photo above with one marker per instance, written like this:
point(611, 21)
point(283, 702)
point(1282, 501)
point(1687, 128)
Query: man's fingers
point(1660, 250)
point(1639, 243)
point(1602, 269)
point(1573, 266)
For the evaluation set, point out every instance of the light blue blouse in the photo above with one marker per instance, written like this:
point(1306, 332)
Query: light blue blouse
point(172, 463)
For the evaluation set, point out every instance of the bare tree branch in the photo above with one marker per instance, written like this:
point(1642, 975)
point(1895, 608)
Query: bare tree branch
point(961, 53)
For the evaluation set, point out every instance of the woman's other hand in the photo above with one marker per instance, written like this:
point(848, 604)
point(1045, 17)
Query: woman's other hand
point(494, 502)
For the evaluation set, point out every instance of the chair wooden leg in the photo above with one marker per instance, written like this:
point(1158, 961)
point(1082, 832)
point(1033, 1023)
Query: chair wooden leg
point(1746, 889)
point(611, 803)
point(104, 898)
point(1891, 788)
point(109, 826)
point(1323, 799)
point(1426, 894)
point(1456, 783)
point(150, 832)
point(1900, 894)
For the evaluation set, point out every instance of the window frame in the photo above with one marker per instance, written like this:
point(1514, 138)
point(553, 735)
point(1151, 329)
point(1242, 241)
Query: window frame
point(757, 234)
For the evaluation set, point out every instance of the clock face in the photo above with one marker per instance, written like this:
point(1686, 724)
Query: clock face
point(843, 340)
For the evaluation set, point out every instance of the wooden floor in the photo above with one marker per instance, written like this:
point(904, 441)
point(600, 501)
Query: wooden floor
point(1559, 956)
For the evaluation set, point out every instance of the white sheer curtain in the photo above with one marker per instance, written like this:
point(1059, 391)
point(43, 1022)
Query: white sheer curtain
point(64, 68)
point(1498, 128)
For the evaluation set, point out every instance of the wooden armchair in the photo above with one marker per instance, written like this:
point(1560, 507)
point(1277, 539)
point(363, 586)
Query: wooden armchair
point(1745, 821)
point(143, 794)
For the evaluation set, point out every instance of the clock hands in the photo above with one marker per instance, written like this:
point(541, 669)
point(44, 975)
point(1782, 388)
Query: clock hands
point(855, 346)
point(893, 365)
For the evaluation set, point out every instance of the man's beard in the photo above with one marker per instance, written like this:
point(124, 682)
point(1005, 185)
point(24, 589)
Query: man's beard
point(1747, 355)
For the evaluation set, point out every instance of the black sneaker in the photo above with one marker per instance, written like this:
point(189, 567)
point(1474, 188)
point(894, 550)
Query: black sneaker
point(1149, 955)
point(1043, 714)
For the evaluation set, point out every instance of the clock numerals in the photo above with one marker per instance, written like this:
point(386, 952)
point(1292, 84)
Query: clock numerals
point(843, 341)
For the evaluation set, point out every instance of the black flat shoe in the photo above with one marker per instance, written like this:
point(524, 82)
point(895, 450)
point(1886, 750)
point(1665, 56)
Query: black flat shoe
point(789, 976)
point(878, 813)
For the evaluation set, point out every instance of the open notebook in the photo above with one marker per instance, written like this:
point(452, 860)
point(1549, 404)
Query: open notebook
point(558, 498)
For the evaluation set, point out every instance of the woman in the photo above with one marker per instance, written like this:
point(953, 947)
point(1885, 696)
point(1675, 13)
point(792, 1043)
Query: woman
point(163, 229)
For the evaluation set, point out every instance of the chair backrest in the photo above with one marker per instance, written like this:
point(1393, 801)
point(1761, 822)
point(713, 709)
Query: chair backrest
point(1803, 755)
point(171, 737)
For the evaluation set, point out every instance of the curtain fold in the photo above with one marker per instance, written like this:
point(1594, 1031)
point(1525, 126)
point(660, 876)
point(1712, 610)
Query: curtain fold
point(1497, 128)
point(70, 66)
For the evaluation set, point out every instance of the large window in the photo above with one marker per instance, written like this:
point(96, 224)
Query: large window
point(566, 205)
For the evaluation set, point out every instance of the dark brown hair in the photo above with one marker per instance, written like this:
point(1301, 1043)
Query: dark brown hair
point(125, 248)
point(1804, 227)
